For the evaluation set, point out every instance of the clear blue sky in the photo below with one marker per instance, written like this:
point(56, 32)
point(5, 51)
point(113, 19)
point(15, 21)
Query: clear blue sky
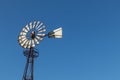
point(89, 49)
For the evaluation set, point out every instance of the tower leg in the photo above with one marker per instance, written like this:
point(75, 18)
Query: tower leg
point(29, 67)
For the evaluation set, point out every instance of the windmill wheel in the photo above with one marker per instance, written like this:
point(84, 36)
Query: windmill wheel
point(32, 34)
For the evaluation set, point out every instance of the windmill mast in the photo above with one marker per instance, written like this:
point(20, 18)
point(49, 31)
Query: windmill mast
point(30, 54)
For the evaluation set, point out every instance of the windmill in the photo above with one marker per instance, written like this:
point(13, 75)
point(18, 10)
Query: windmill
point(30, 36)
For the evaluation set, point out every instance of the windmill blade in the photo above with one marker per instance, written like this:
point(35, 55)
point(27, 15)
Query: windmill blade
point(25, 30)
point(42, 30)
point(36, 41)
point(33, 43)
point(30, 25)
point(42, 35)
point(23, 33)
point(35, 22)
point(42, 27)
point(22, 41)
point(39, 38)
point(27, 27)
point(21, 37)
point(39, 26)
point(19, 41)
point(25, 45)
point(29, 44)
point(22, 44)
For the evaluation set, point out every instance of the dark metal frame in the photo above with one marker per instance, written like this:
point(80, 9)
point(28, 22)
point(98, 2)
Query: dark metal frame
point(29, 67)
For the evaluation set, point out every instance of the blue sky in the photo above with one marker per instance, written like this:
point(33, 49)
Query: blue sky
point(89, 49)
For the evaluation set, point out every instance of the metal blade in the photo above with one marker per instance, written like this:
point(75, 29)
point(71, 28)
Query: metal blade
point(39, 38)
point(22, 44)
point(30, 25)
point(41, 35)
point(23, 33)
point(36, 41)
point(42, 27)
point(27, 27)
point(35, 22)
point(42, 30)
point(19, 41)
point(39, 26)
point(25, 30)
point(25, 44)
point(29, 44)
point(33, 43)
point(21, 37)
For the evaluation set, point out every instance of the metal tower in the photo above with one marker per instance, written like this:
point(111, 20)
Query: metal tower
point(30, 36)
point(29, 67)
